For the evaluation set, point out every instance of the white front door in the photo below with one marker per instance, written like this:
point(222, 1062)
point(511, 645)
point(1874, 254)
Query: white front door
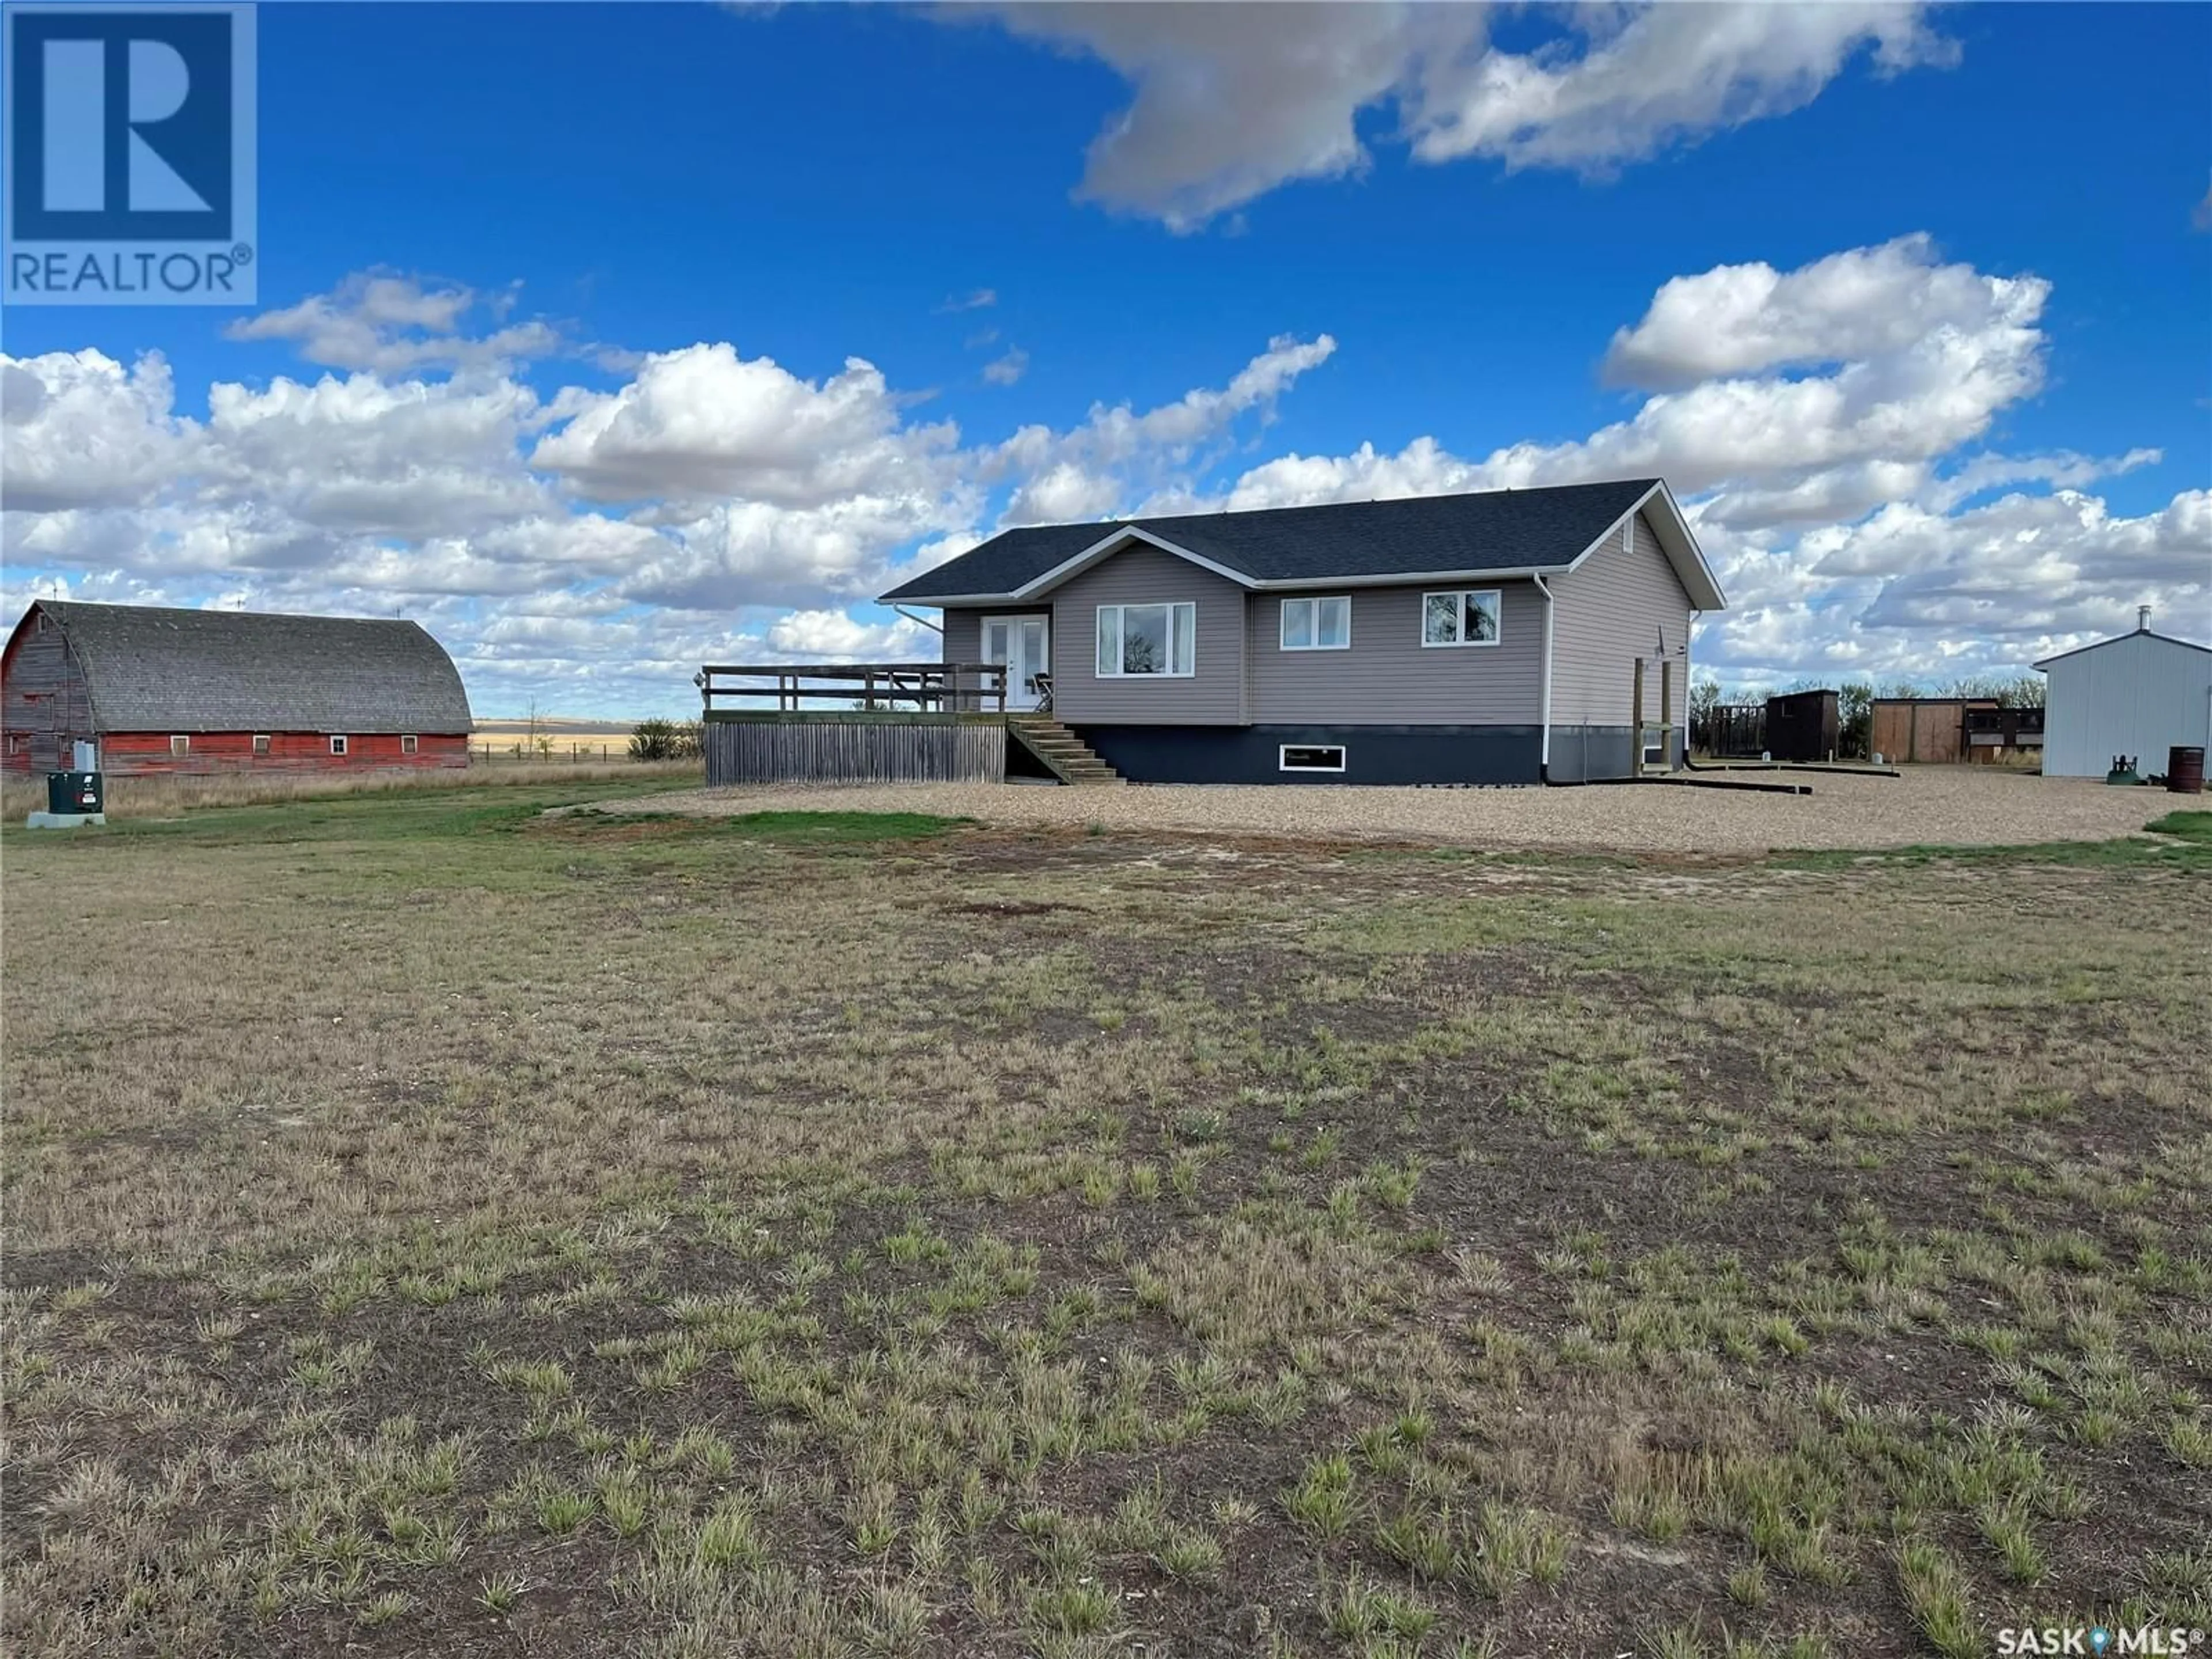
point(1024, 644)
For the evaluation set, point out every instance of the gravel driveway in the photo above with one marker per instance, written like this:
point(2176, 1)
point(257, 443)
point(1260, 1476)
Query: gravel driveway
point(1946, 805)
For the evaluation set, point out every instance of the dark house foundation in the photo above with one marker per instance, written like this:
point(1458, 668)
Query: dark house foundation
point(1368, 754)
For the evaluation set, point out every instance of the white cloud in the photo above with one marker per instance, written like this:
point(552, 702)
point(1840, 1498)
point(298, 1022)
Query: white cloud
point(82, 431)
point(1866, 302)
point(1118, 453)
point(1770, 449)
point(1232, 101)
point(1661, 75)
point(982, 299)
point(370, 456)
point(1838, 506)
point(1005, 371)
point(703, 423)
point(394, 324)
point(832, 635)
point(590, 548)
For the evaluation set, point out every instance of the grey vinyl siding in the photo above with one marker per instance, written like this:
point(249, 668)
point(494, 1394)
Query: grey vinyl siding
point(1388, 678)
point(1213, 695)
point(963, 636)
point(1613, 610)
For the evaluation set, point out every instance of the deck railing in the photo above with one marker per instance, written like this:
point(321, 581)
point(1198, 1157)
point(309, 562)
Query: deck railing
point(921, 687)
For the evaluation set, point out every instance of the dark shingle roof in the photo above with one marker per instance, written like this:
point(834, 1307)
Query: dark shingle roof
point(1497, 530)
point(152, 669)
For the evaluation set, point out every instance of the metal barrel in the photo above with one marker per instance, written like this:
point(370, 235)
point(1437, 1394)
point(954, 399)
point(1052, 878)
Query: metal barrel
point(2185, 768)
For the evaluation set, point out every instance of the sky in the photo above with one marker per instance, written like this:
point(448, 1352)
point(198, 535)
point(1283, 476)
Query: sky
point(605, 341)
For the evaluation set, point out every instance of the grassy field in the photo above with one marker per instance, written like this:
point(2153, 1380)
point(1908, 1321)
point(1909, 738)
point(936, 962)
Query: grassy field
point(435, 1227)
point(169, 796)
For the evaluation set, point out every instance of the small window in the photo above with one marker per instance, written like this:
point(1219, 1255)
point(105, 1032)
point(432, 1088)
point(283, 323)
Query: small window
point(260, 743)
point(337, 745)
point(1310, 757)
point(1464, 617)
point(1317, 624)
point(1147, 639)
point(180, 746)
point(407, 743)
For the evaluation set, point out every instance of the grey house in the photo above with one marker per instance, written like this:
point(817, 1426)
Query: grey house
point(1512, 636)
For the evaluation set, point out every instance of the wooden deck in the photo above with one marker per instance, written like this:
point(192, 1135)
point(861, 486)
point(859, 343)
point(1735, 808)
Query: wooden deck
point(855, 723)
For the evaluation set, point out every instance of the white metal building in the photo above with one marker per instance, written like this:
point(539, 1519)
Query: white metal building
point(2138, 696)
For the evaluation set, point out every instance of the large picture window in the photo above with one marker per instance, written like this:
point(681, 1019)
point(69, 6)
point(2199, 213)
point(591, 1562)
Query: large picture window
point(1147, 639)
point(1317, 624)
point(1464, 617)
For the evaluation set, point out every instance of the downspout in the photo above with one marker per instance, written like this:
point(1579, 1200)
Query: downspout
point(1544, 754)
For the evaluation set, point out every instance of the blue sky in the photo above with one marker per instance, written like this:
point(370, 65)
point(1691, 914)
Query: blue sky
point(560, 307)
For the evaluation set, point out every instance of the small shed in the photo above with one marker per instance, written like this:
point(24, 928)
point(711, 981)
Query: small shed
point(1803, 725)
point(164, 691)
point(2138, 695)
point(1923, 729)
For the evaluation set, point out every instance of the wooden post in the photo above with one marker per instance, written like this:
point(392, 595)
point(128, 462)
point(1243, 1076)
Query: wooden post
point(1636, 724)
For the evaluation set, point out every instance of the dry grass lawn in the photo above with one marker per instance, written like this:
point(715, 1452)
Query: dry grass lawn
point(438, 1228)
point(1950, 806)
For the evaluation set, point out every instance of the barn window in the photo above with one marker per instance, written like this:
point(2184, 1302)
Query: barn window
point(407, 743)
point(180, 746)
point(337, 745)
point(260, 743)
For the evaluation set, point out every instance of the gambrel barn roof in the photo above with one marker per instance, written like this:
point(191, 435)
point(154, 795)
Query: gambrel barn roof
point(148, 668)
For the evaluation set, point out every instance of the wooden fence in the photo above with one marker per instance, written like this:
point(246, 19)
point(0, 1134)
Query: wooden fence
point(859, 747)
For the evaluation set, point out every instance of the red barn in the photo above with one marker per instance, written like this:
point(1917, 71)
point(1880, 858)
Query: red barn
point(200, 691)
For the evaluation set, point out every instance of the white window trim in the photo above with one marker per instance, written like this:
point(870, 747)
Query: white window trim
point(179, 745)
point(339, 745)
point(409, 743)
point(260, 744)
point(1171, 607)
point(1498, 606)
point(1283, 758)
point(1314, 600)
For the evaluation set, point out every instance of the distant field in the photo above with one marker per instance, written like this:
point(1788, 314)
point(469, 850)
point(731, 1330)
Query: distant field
point(435, 1228)
point(559, 731)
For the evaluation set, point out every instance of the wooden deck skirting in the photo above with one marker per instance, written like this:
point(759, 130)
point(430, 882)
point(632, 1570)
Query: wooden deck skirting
point(859, 747)
point(885, 723)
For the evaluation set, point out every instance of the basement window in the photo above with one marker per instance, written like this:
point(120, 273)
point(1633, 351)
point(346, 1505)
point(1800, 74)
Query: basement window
point(407, 743)
point(180, 746)
point(337, 745)
point(260, 743)
point(1310, 757)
